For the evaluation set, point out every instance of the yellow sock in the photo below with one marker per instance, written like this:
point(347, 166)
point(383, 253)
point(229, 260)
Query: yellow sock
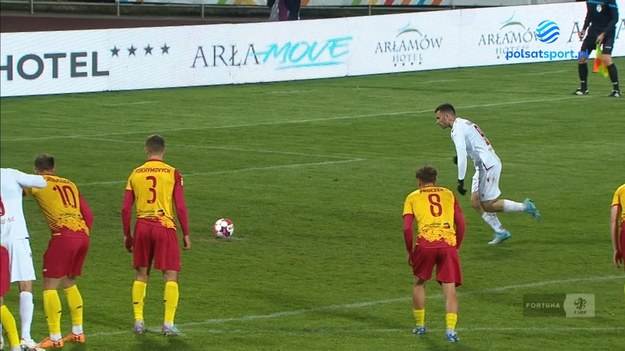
point(170, 298)
point(419, 317)
point(74, 300)
point(138, 298)
point(451, 319)
point(52, 310)
point(8, 323)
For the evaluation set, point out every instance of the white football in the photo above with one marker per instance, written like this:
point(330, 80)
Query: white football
point(223, 228)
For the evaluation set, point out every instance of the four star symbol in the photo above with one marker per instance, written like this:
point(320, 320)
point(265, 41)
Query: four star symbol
point(132, 50)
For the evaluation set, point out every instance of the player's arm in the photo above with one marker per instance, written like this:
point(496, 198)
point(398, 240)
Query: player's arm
point(87, 215)
point(408, 232)
point(614, 229)
point(613, 12)
point(459, 222)
point(461, 154)
point(586, 20)
point(30, 180)
point(129, 199)
point(460, 159)
point(181, 209)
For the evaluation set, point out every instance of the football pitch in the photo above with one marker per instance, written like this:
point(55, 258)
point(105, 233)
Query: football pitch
point(314, 175)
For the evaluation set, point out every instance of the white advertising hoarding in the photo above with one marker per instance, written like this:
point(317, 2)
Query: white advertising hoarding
point(144, 58)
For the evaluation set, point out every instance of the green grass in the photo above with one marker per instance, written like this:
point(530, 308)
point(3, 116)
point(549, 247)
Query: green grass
point(314, 175)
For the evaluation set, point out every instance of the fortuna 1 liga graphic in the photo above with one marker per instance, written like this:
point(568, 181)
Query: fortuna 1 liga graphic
point(223, 228)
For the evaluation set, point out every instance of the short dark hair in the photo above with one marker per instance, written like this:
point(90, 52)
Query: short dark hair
point(155, 143)
point(44, 162)
point(446, 107)
point(427, 174)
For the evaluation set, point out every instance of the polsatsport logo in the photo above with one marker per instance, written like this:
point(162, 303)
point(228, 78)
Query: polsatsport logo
point(514, 36)
point(408, 46)
point(548, 31)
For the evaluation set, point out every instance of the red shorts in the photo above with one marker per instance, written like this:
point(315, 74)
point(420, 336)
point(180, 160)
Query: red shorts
point(65, 255)
point(155, 243)
point(5, 274)
point(445, 259)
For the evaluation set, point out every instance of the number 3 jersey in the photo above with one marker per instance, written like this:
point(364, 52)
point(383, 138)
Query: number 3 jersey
point(155, 187)
point(63, 206)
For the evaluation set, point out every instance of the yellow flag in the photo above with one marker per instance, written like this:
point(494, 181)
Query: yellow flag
point(599, 66)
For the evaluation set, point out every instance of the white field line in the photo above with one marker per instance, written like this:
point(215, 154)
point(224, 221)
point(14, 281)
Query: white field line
point(322, 119)
point(359, 305)
point(292, 165)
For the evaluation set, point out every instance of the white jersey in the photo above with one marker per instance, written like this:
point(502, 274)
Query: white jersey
point(470, 140)
point(11, 211)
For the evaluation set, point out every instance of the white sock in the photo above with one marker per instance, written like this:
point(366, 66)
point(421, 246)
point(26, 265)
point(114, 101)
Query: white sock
point(77, 329)
point(513, 206)
point(26, 313)
point(493, 221)
point(55, 337)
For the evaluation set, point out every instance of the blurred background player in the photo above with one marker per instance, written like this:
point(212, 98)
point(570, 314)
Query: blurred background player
point(152, 188)
point(600, 22)
point(617, 215)
point(15, 238)
point(69, 218)
point(440, 230)
point(469, 140)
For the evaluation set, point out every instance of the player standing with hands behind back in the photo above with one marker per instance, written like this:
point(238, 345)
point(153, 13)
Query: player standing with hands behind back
point(469, 140)
point(600, 21)
point(152, 187)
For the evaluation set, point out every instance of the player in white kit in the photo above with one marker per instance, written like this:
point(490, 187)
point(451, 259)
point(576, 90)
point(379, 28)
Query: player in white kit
point(14, 237)
point(469, 140)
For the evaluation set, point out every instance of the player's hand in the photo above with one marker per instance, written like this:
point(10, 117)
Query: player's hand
point(618, 259)
point(456, 160)
point(129, 243)
point(581, 34)
point(186, 242)
point(461, 188)
point(600, 38)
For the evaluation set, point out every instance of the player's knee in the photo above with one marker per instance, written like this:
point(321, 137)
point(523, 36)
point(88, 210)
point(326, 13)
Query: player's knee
point(26, 286)
point(607, 59)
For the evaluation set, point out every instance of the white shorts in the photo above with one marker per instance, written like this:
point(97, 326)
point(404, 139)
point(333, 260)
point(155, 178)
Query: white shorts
point(20, 260)
point(486, 182)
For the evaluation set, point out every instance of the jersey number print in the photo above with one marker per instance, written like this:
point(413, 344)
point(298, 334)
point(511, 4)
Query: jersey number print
point(436, 209)
point(67, 195)
point(152, 189)
point(482, 134)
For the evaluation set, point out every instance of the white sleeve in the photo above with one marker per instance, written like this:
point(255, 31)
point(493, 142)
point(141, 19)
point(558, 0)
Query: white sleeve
point(461, 152)
point(30, 180)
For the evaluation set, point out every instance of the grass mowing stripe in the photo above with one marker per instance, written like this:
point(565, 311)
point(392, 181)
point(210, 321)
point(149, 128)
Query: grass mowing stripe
point(292, 165)
point(323, 119)
point(387, 301)
point(226, 148)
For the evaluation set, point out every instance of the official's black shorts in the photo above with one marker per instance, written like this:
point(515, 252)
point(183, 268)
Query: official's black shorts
point(590, 42)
